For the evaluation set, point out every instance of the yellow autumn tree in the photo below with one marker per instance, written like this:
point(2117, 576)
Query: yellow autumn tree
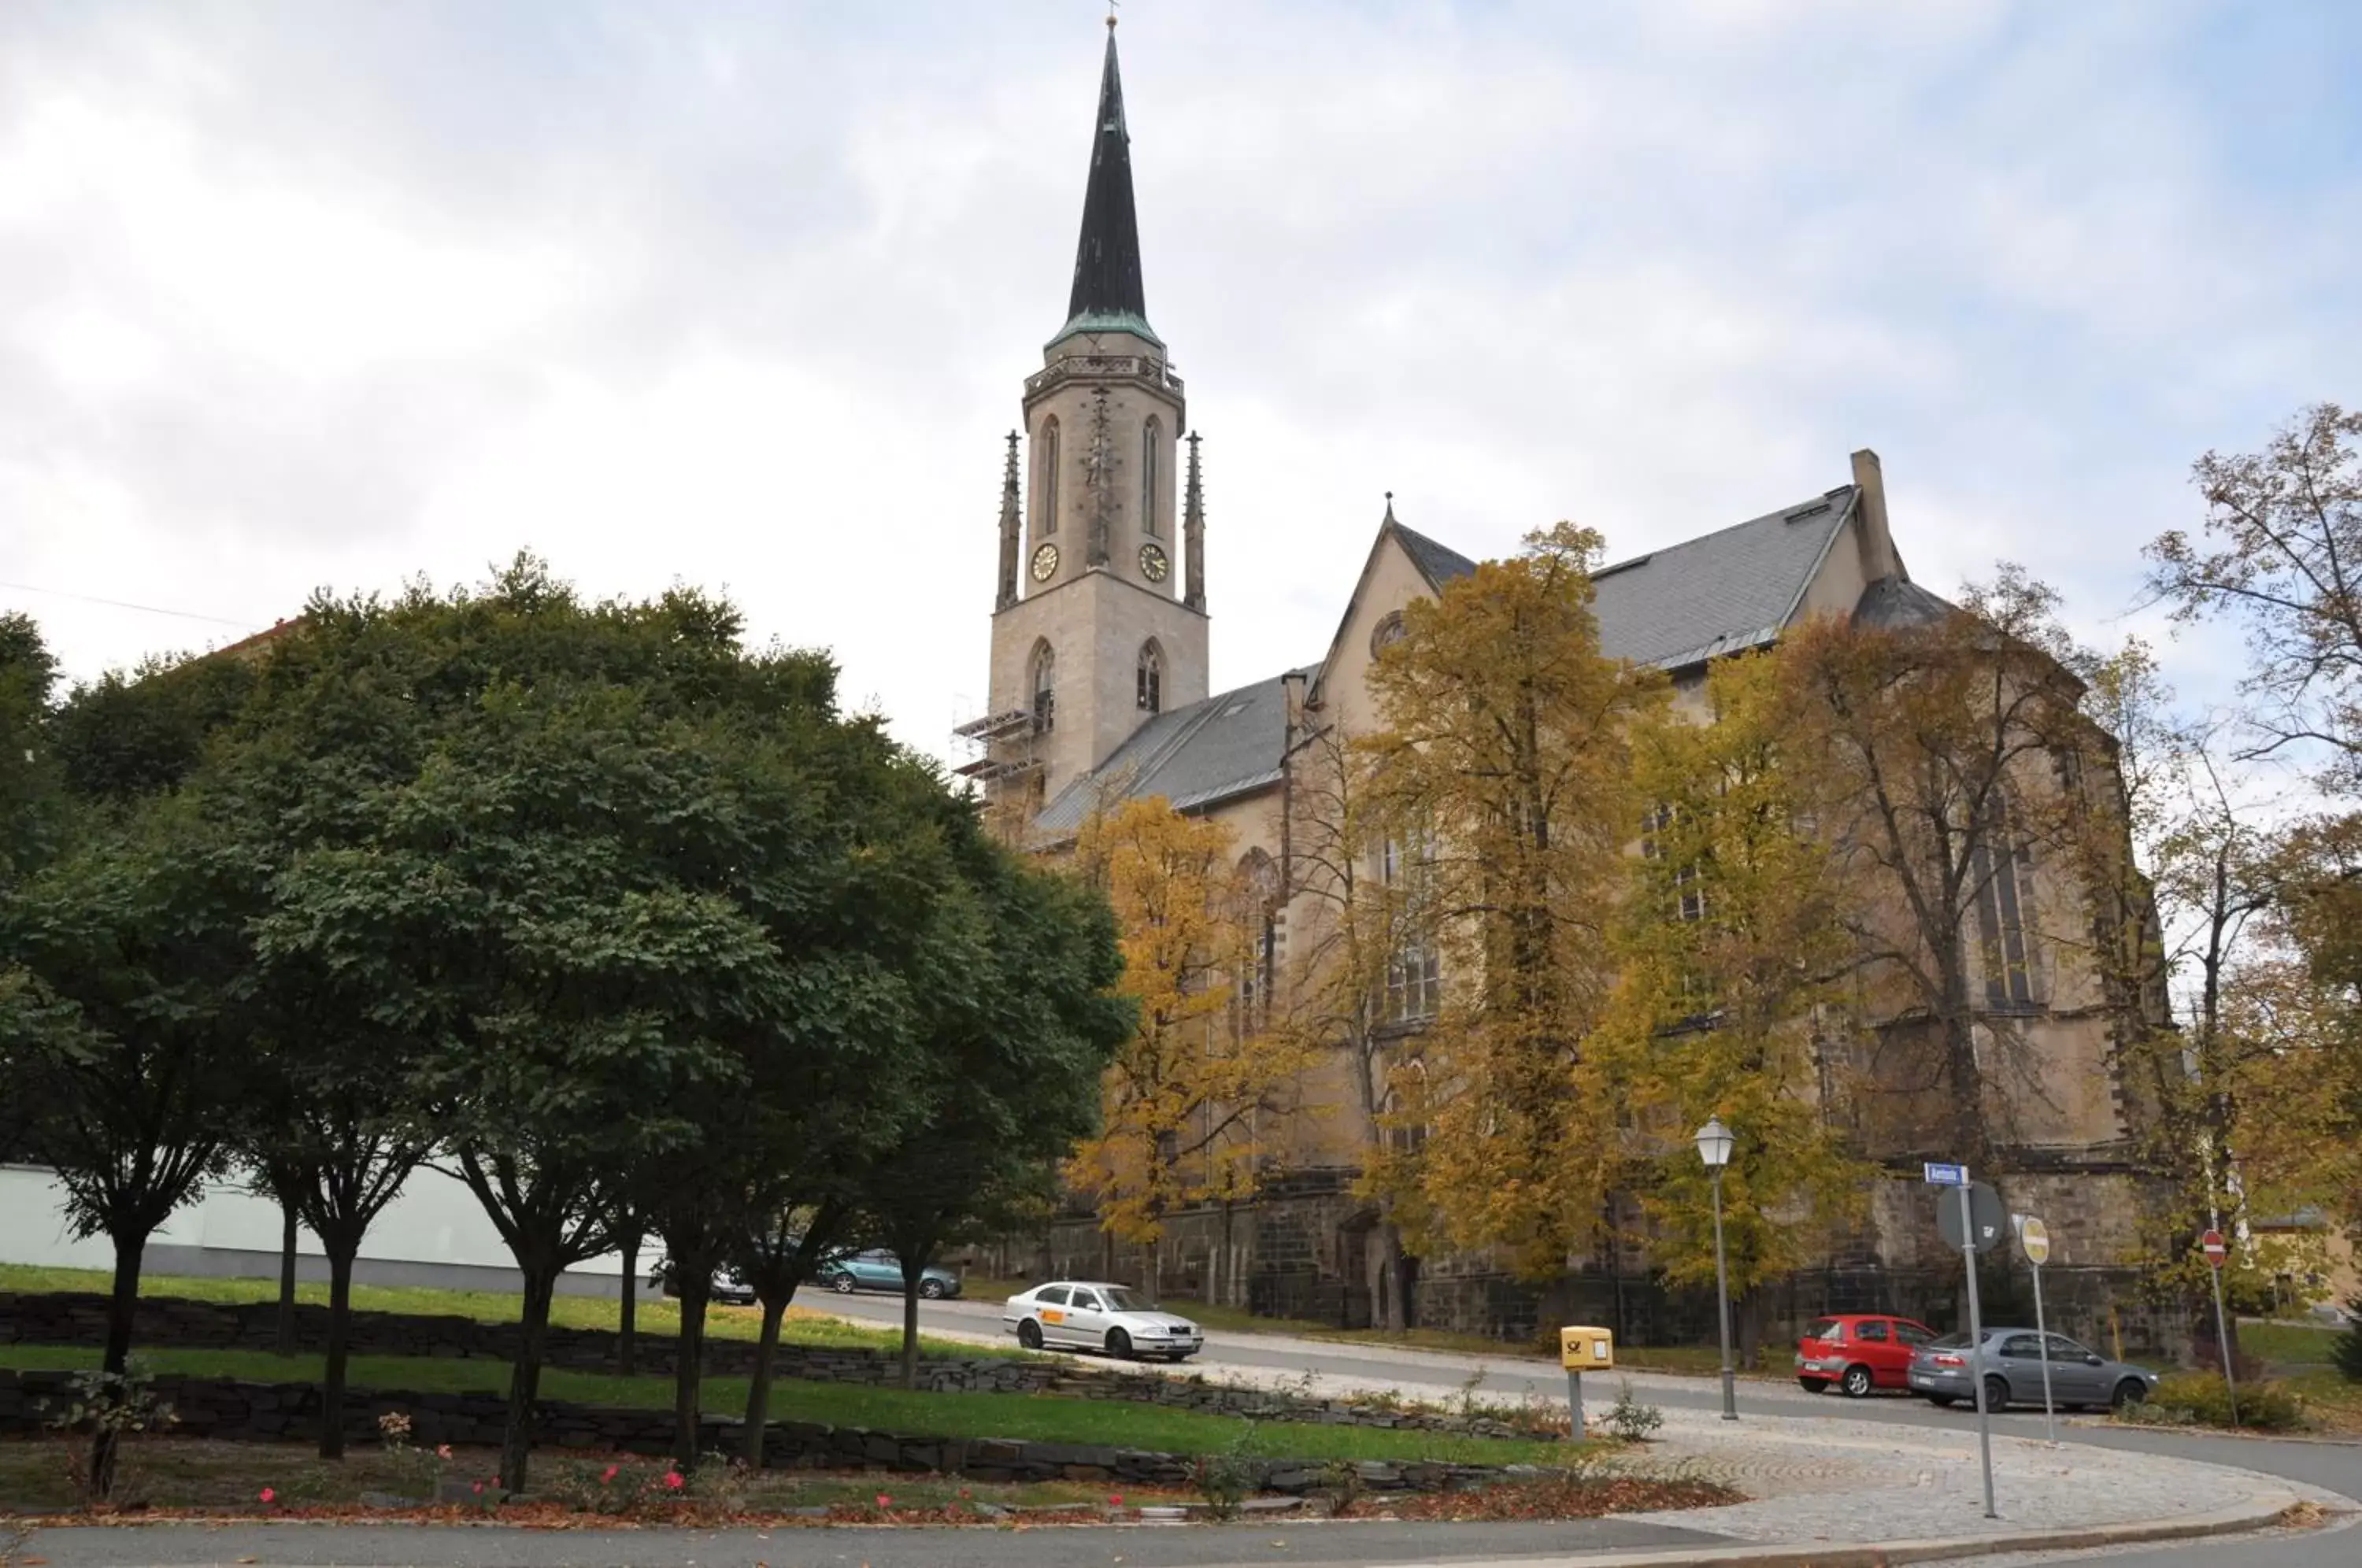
point(1502, 783)
point(1195, 1098)
point(1731, 950)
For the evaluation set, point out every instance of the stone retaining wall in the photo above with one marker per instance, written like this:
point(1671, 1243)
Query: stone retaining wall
point(68, 1319)
point(289, 1412)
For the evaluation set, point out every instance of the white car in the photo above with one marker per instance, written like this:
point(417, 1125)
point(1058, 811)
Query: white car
point(1088, 1315)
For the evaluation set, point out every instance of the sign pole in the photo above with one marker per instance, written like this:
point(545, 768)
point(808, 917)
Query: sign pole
point(2217, 1254)
point(2042, 1331)
point(1976, 1349)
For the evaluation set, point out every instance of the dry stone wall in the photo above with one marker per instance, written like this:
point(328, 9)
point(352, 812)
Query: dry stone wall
point(289, 1412)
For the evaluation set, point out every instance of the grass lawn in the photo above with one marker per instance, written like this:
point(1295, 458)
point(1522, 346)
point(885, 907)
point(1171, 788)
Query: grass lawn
point(2334, 1405)
point(656, 1318)
point(2287, 1345)
point(1042, 1417)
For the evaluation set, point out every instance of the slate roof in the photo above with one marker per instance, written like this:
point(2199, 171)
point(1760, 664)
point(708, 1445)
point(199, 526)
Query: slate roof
point(1721, 592)
point(1898, 602)
point(1228, 745)
point(1674, 607)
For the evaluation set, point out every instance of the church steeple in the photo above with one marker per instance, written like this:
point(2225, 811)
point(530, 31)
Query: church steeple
point(1108, 295)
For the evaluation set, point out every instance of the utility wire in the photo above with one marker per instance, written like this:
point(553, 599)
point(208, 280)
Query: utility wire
point(127, 604)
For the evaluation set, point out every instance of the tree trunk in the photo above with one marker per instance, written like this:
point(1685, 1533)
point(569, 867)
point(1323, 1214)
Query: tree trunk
point(121, 1306)
point(688, 1366)
point(627, 1350)
point(525, 1379)
point(909, 1325)
point(341, 1315)
point(759, 1386)
point(1390, 1275)
point(286, 1346)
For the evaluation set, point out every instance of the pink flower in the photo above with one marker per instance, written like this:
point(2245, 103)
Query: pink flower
point(673, 1482)
point(608, 1475)
point(269, 1495)
point(480, 1489)
point(883, 1501)
point(1116, 1500)
point(442, 1450)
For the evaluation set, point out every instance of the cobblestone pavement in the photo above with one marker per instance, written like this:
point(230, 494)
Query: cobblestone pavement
point(1830, 1479)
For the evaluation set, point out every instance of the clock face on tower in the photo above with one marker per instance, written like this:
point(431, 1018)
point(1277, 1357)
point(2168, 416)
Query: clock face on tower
point(1045, 562)
point(1153, 564)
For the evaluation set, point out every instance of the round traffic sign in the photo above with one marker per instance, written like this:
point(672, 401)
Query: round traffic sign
point(2034, 1238)
point(2215, 1248)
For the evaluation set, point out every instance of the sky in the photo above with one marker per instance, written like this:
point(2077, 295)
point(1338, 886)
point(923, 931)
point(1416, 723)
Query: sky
point(326, 293)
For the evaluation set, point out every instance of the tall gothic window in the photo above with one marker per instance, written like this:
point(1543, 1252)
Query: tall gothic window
point(1150, 438)
point(1150, 678)
point(1250, 998)
point(1045, 483)
point(2002, 867)
point(1415, 971)
point(1045, 692)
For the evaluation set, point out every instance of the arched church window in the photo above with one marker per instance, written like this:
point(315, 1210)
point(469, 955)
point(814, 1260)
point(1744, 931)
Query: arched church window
point(1045, 693)
point(1386, 632)
point(1258, 964)
point(1150, 678)
point(1151, 437)
point(1045, 482)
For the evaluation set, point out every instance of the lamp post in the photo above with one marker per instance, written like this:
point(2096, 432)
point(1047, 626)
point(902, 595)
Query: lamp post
point(1714, 1145)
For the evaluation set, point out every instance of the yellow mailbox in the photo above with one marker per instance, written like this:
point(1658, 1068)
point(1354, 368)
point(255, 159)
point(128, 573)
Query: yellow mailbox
point(1586, 1350)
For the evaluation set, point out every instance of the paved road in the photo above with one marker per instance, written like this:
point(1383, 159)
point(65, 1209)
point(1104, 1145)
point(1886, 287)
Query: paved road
point(2335, 1467)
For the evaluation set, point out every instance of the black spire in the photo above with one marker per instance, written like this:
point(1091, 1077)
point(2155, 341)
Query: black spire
point(1108, 295)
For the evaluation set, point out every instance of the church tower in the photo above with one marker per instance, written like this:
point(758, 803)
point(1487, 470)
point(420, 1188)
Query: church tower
point(1099, 622)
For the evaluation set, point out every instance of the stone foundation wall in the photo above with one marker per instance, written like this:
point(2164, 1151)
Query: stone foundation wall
point(289, 1412)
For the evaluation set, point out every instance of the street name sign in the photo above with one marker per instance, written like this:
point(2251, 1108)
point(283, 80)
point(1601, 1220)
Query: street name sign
point(1941, 1175)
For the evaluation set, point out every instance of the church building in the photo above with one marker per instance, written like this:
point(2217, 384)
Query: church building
point(1099, 692)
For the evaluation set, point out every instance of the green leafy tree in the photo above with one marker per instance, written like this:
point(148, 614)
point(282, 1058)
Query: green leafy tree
point(30, 781)
point(1020, 1023)
point(130, 1030)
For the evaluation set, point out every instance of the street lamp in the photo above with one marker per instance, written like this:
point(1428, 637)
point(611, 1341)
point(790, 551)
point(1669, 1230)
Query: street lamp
point(1714, 1145)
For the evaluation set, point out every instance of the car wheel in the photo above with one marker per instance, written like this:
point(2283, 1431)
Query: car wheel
point(1996, 1392)
point(1941, 1401)
point(842, 1284)
point(1119, 1344)
point(2131, 1391)
point(1812, 1385)
point(932, 1289)
point(1856, 1382)
point(1029, 1334)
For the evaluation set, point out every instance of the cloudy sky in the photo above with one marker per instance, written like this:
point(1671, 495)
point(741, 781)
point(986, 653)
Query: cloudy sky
point(742, 291)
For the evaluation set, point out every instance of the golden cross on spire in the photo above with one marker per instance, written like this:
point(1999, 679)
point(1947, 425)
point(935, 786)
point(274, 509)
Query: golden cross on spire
point(1111, 6)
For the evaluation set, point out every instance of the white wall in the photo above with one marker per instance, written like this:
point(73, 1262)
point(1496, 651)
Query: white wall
point(435, 1221)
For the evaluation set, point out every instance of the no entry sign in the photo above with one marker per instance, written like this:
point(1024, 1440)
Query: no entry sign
point(2215, 1248)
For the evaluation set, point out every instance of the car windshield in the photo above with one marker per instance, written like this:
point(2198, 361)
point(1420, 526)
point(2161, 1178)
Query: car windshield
point(1949, 1341)
point(1118, 1299)
point(1826, 1329)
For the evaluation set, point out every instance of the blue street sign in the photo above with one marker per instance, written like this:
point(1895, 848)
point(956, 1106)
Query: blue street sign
point(1947, 1175)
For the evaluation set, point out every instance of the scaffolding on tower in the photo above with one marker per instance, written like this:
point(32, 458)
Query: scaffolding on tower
point(1006, 748)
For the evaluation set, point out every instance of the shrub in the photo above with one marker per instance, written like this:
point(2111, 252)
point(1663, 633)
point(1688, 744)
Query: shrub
point(2346, 1350)
point(1228, 1478)
point(2204, 1399)
point(1630, 1419)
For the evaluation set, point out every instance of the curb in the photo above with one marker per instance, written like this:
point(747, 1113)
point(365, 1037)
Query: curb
point(2259, 1513)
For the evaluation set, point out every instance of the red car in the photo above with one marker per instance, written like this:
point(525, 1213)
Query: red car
point(1859, 1352)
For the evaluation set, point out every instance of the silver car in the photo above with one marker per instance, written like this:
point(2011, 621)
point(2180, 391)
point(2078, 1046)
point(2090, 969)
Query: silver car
point(1944, 1372)
point(1095, 1315)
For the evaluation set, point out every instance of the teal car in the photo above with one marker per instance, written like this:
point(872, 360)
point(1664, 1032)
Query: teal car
point(878, 1269)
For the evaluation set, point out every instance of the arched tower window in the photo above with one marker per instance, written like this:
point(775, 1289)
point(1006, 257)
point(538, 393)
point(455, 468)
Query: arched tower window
point(1258, 963)
point(1151, 437)
point(1150, 678)
point(1045, 691)
point(1045, 482)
